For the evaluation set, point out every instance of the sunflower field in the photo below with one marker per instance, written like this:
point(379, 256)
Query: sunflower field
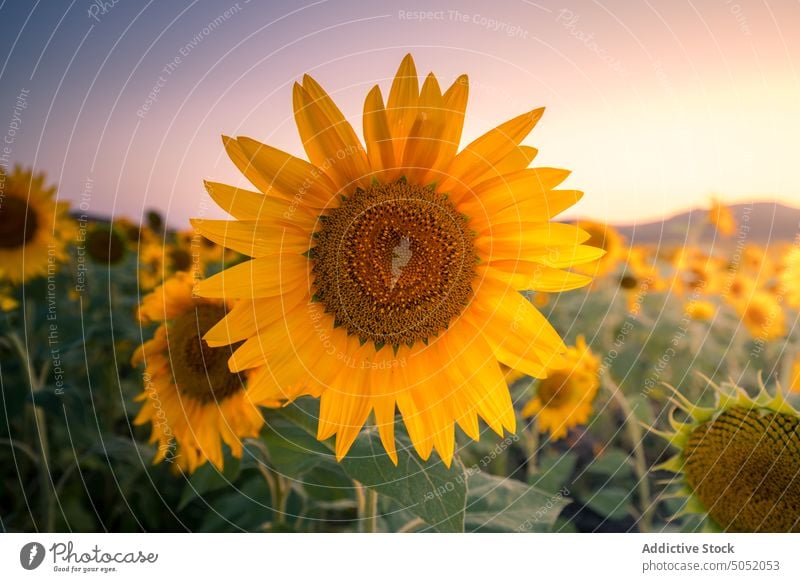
point(396, 334)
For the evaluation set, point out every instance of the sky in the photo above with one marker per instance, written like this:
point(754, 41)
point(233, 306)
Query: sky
point(654, 106)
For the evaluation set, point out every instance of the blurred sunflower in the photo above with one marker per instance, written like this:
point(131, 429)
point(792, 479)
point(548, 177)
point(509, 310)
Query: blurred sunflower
point(193, 401)
point(737, 288)
point(700, 309)
point(179, 257)
point(151, 264)
point(789, 276)
point(564, 399)
point(721, 217)
point(640, 277)
point(7, 301)
point(106, 245)
point(388, 277)
point(606, 237)
point(794, 375)
point(739, 461)
point(34, 227)
point(763, 316)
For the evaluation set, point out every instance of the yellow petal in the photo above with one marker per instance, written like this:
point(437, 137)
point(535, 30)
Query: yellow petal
point(520, 336)
point(425, 136)
point(517, 159)
point(248, 316)
point(331, 146)
point(486, 151)
point(378, 137)
point(455, 106)
point(248, 205)
point(528, 276)
point(264, 277)
point(401, 108)
point(288, 176)
point(253, 238)
point(528, 241)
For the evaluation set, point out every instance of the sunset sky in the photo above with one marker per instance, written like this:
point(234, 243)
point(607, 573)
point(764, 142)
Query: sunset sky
point(654, 106)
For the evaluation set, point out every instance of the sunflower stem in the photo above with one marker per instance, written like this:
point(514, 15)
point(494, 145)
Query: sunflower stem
point(36, 382)
point(367, 499)
point(279, 486)
point(636, 438)
point(532, 444)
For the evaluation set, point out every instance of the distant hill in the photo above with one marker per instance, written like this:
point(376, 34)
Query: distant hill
point(765, 221)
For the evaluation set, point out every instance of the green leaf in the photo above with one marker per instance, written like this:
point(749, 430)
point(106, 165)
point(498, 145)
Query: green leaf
point(555, 470)
point(293, 450)
point(246, 509)
point(611, 502)
point(612, 463)
point(498, 504)
point(428, 489)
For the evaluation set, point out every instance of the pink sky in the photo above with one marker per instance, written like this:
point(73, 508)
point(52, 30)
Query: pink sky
point(653, 106)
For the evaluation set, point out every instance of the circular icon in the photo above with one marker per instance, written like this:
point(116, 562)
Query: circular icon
point(31, 555)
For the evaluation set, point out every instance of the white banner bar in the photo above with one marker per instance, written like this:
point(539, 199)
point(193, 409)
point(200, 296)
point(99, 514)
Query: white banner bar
point(390, 557)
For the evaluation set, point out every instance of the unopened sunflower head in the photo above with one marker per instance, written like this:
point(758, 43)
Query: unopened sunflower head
point(34, 227)
point(738, 462)
point(387, 276)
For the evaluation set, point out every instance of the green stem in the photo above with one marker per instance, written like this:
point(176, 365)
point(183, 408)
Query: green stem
point(367, 499)
point(36, 383)
point(279, 486)
point(532, 444)
point(636, 438)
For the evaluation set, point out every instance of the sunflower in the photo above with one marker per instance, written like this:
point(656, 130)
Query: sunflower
point(789, 276)
point(7, 300)
point(194, 403)
point(606, 237)
point(721, 217)
point(151, 264)
point(700, 309)
point(33, 226)
point(106, 245)
point(387, 278)
point(639, 278)
point(564, 399)
point(739, 461)
point(763, 316)
point(794, 375)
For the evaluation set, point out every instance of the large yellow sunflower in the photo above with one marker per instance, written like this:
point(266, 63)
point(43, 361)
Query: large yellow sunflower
point(564, 399)
point(33, 226)
point(738, 462)
point(387, 277)
point(193, 401)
